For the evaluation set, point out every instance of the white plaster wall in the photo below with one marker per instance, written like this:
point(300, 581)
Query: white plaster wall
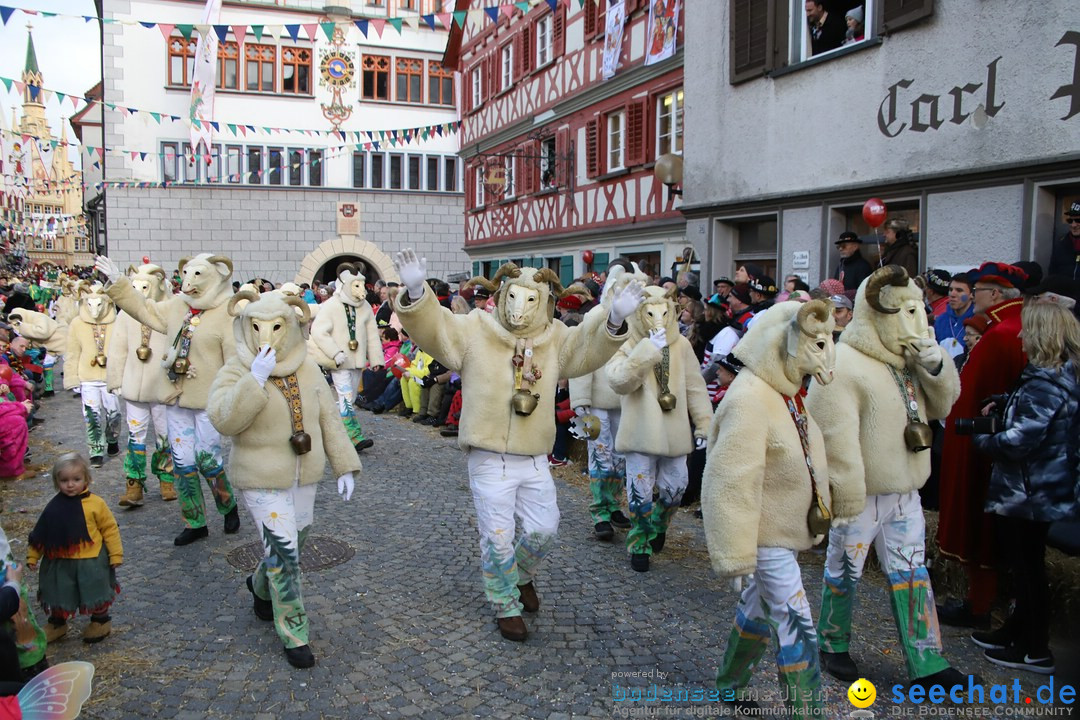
point(800, 231)
point(817, 128)
point(974, 226)
point(268, 232)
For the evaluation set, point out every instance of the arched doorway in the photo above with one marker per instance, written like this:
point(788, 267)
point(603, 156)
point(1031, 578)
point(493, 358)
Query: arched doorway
point(328, 255)
point(328, 271)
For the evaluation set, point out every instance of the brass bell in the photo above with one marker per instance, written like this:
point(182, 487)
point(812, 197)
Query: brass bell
point(180, 366)
point(524, 402)
point(143, 352)
point(667, 401)
point(918, 436)
point(353, 345)
point(300, 442)
point(819, 519)
point(101, 359)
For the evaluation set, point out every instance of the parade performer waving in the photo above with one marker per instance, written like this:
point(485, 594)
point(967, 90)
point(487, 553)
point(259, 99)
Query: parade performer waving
point(891, 379)
point(135, 352)
point(197, 325)
point(765, 497)
point(272, 400)
point(510, 362)
point(84, 368)
point(345, 341)
point(658, 377)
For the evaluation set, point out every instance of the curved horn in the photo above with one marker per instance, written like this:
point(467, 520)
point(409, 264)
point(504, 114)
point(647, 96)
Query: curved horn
point(817, 309)
point(895, 275)
point(548, 275)
point(242, 295)
point(482, 282)
point(576, 289)
point(183, 261)
point(213, 259)
point(351, 267)
point(296, 302)
point(131, 270)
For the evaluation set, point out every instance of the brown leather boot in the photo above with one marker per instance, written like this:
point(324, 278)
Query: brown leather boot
point(168, 490)
point(513, 628)
point(97, 631)
point(134, 495)
point(529, 600)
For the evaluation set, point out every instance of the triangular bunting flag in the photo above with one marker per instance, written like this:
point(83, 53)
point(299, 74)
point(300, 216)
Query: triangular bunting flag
point(274, 31)
point(554, 5)
point(430, 20)
point(257, 30)
point(156, 116)
point(508, 10)
point(142, 156)
point(239, 31)
point(185, 30)
point(7, 83)
point(222, 32)
point(203, 30)
point(145, 24)
point(311, 29)
point(476, 17)
point(445, 18)
point(5, 13)
point(166, 30)
point(459, 18)
point(413, 22)
point(328, 29)
point(396, 22)
point(293, 30)
point(60, 97)
point(362, 26)
point(493, 13)
point(231, 127)
point(522, 6)
point(378, 24)
point(34, 90)
point(75, 101)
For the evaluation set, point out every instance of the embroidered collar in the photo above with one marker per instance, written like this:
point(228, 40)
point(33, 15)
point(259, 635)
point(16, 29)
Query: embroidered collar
point(1002, 310)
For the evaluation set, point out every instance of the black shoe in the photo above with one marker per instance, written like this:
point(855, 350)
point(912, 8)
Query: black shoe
point(949, 677)
point(1014, 657)
point(429, 421)
point(619, 520)
point(956, 613)
point(364, 444)
point(437, 422)
point(420, 418)
point(232, 521)
point(998, 639)
point(604, 531)
point(113, 449)
point(657, 543)
point(190, 535)
point(378, 409)
point(448, 432)
point(264, 609)
point(300, 657)
point(639, 562)
point(48, 393)
point(840, 666)
point(404, 412)
point(697, 514)
point(97, 461)
point(38, 421)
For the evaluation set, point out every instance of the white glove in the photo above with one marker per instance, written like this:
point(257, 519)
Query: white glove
point(413, 272)
point(699, 443)
point(625, 301)
point(658, 337)
point(345, 486)
point(263, 364)
point(840, 523)
point(108, 268)
point(582, 410)
point(738, 582)
point(339, 358)
point(930, 355)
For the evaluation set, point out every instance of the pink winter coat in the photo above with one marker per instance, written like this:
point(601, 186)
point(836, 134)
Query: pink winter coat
point(13, 436)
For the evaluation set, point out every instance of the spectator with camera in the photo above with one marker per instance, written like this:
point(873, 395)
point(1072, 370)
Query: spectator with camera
point(965, 531)
point(1032, 440)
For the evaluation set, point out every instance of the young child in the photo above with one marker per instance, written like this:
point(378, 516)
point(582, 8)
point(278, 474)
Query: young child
point(79, 540)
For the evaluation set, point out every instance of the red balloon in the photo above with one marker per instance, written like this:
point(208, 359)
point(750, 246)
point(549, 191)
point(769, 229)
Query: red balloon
point(145, 259)
point(5, 372)
point(587, 256)
point(873, 212)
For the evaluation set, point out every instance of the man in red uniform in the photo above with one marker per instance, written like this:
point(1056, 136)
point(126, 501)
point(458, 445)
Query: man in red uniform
point(965, 532)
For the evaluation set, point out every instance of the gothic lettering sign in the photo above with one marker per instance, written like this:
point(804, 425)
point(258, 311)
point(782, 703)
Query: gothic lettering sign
point(1071, 90)
point(921, 112)
point(348, 218)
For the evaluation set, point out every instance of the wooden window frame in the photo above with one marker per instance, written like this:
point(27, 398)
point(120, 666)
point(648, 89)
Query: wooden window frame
point(450, 174)
point(237, 177)
point(362, 182)
point(409, 175)
point(430, 160)
point(441, 79)
point(373, 61)
point(606, 164)
point(186, 53)
point(542, 47)
point(381, 157)
point(224, 57)
point(297, 64)
point(409, 68)
point(402, 171)
point(298, 169)
point(315, 167)
point(260, 174)
point(263, 63)
point(507, 72)
point(677, 119)
point(476, 86)
point(280, 168)
point(167, 149)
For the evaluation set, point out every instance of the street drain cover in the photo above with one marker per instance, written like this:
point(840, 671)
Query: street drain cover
point(320, 552)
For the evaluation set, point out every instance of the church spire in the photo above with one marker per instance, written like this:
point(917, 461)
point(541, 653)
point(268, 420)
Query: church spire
point(32, 73)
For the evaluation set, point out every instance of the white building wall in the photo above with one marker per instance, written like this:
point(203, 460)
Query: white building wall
point(969, 226)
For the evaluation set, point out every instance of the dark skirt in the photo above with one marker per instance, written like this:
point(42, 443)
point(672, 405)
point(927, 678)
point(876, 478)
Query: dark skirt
point(68, 587)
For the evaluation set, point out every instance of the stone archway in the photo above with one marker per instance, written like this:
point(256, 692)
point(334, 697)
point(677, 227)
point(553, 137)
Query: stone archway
point(348, 245)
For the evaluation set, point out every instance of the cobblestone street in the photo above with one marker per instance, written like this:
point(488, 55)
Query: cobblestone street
point(401, 629)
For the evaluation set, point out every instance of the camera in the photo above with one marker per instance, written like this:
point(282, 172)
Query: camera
point(985, 424)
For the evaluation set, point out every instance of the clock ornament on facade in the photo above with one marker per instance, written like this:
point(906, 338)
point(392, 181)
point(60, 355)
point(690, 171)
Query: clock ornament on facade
point(337, 69)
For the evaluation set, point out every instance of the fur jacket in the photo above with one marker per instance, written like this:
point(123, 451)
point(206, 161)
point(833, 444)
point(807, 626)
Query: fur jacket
point(259, 419)
point(863, 416)
point(79, 361)
point(594, 390)
point(212, 342)
point(330, 335)
point(479, 348)
point(137, 380)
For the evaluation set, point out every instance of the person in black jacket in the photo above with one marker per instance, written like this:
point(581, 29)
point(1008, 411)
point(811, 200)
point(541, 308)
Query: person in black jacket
point(1065, 258)
point(853, 267)
point(827, 29)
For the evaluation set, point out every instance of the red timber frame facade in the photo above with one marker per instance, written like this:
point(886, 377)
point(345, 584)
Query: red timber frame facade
point(557, 159)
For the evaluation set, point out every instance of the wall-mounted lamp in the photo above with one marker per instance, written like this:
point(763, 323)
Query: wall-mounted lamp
point(668, 170)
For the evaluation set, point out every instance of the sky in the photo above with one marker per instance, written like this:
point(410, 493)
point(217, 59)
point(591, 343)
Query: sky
point(68, 53)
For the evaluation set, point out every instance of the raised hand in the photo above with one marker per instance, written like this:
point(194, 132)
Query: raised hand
point(625, 301)
point(658, 337)
point(263, 364)
point(413, 272)
point(108, 268)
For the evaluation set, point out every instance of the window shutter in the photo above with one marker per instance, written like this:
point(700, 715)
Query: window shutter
point(749, 39)
point(468, 91)
point(635, 133)
point(897, 14)
point(590, 18)
point(518, 66)
point(558, 33)
point(600, 262)
point(526, 168)
point(493, 70)
point(476, 268)
point(528, 59)
point(592, 148)
point(566, 270)
point(600, 8)
point(562, 165)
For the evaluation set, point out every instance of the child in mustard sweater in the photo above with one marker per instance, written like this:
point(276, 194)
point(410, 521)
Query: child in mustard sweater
point(77, 541)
